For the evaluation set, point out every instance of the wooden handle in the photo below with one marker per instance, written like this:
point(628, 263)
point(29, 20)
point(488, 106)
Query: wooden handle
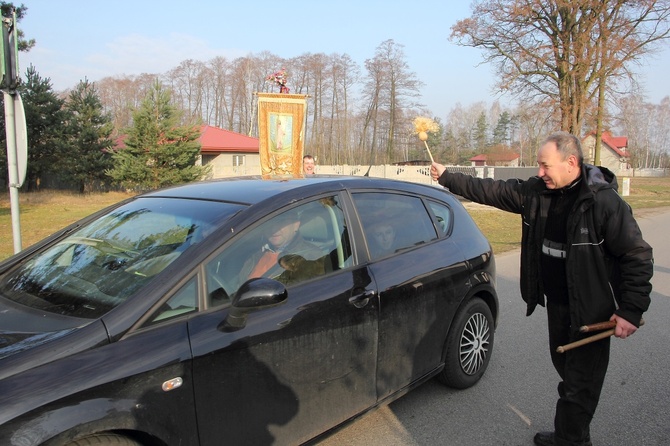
point(597, 326)
point(597, 337)
point(601, 326)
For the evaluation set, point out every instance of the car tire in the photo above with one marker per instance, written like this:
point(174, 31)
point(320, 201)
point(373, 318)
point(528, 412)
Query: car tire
point(105, 440)
point(468, 346)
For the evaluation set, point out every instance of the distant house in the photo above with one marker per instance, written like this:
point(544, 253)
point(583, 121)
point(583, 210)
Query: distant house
point(613, 152)
point(227, 152)
point(496, 159)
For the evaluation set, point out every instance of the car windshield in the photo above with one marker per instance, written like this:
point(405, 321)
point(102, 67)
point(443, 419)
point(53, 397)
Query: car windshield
point(98, 266)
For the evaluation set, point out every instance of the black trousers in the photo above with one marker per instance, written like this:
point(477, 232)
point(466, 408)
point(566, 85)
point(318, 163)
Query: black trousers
point(582, 371)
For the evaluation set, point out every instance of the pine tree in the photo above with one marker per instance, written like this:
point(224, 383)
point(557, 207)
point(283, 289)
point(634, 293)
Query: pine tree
point(159, 152)
point(501, 133)
point(87, 156)
point(6, 9)
point(480, 133)
point(45, 127)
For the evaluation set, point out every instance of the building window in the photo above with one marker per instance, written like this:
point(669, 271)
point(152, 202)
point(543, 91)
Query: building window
point(206, 159)
point(238, 160)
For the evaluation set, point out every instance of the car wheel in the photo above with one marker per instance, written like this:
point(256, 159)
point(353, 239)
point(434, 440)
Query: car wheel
point(468, 346)
point(104, 440)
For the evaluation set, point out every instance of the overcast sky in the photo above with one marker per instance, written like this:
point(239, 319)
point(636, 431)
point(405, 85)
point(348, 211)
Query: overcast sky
point(92, 39)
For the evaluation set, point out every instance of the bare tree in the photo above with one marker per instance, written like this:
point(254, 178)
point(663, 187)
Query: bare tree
point(372, 96)
point(627, 32)
point(461, 121)
point(313, 73)
point(186, 83)
point(648, 128)
point(220, 80)
point(249, 75)
point(562, 50)
point(345, 74)
point(389, 89)
point(535, 121)
point(121, 95)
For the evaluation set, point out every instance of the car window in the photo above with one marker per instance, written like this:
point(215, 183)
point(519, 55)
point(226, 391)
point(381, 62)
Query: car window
point(393, 222)
point(98, 266)
point(299, 244)
point(443, 217)
point(184, 301)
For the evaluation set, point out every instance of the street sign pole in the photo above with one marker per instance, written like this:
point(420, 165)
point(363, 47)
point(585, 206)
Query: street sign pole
point(15, 120)
point(12, 165)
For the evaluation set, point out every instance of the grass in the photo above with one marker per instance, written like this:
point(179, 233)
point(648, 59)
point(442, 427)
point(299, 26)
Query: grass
point(648, 192)
point(503, 229)
point(42, 213)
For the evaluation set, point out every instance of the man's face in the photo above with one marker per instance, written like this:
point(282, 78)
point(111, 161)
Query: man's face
point(555, 171)
point(385, 235)
point(281, 232)
point(308, 166)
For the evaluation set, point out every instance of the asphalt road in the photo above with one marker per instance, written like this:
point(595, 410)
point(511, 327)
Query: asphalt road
point(517, 395)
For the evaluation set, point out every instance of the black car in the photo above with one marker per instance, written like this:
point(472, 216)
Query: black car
point(242, 311)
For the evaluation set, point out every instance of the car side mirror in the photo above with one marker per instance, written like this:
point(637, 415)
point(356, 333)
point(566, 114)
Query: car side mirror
point(254, 294)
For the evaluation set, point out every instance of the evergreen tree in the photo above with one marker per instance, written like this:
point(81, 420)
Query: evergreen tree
point(450, 153)
point(6, 9)
point(159, 152)
point(501, 133)
point(45, 128)
point(480, 133)
point(87, 156)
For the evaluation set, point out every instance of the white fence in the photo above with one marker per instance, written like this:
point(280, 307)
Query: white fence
point(643, 173)
point(421, 174)
point(414, 174)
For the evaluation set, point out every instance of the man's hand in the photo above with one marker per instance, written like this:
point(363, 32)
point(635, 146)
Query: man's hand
point(623, 327)
point(436, 171)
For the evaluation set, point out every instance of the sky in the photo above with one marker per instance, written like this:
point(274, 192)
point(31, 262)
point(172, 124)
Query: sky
point(93, 39)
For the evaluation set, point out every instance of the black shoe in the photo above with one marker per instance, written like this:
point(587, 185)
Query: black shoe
point(547, 439)
point(544, 439)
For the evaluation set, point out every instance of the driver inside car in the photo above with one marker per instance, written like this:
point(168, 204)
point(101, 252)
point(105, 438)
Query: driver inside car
point(284, 257)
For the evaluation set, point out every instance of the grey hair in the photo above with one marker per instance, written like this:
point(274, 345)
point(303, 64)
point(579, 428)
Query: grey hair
point(567, 144)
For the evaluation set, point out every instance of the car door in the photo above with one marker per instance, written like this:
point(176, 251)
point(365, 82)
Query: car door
point(421, 281)
point(294, 370)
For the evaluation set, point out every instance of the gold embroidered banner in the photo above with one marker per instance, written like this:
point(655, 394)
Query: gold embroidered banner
point(281, 122)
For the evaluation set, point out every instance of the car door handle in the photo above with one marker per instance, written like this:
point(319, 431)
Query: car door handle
point(361, 300)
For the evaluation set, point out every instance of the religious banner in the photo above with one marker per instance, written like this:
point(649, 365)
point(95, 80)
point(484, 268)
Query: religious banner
point(281, 127)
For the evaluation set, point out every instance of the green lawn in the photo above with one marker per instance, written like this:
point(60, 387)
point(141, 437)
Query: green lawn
point(43, 213)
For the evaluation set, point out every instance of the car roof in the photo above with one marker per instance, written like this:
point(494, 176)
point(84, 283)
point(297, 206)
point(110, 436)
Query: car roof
point(250, 190)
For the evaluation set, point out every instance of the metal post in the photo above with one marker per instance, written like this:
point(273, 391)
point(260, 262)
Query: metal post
point(12, 165)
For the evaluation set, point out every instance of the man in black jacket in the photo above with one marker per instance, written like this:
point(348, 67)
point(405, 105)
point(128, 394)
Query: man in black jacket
point(583, 253)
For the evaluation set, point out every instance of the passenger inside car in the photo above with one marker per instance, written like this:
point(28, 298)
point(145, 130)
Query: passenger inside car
point(383, 240)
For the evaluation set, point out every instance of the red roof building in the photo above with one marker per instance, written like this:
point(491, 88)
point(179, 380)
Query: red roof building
point(613, 150)
point(216, 140)
point(229, 153)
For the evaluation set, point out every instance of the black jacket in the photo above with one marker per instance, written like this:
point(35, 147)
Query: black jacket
point(608, 264)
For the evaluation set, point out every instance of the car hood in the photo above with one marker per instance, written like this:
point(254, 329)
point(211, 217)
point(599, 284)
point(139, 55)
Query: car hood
point(16, 342)
point(23, 328)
